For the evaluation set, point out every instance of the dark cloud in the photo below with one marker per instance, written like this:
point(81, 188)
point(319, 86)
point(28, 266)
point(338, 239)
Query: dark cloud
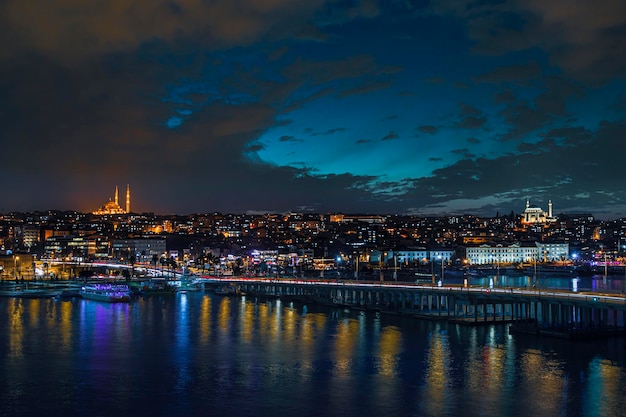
point(185, 99)
point(570, 136)
point(329, 131)
point(556, 93)
point(255, 147)
point(357, 74)
point(71, 32)
point(524, 116)
point(427, 129)
point(505, 96)
point(123, 112)
point(390, 136)
point(464, 152)
point(585, 39)
point(540, 146)
point(287, 138)
point(512, 74)
point(544, 170)
point(620, 104)
point(471, 118)
point(369, 85)
point(472, 122)
point(522, 119)
point(435, 80)
point(467, 110)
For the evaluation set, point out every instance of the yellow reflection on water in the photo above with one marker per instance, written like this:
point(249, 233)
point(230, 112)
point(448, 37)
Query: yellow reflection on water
point(33, 313)
point(64, 324)
point(318, 321)
point(310, 326)
point(265, 322)
point(289, 323)
point(16, 328)
point(246, 321)
point(223, 315)
point(437, 368)
point(275, 317)
point(204, 320)
point(345, 341)
point(307, 333)
point(388, 349)
point(493, 361)
point(542, 382)
point(489, 370)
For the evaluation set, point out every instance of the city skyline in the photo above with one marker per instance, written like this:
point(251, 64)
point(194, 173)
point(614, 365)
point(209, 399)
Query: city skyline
point(423, 108)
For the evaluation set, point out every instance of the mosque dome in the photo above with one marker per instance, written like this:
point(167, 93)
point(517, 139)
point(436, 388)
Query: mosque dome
point(112, 206)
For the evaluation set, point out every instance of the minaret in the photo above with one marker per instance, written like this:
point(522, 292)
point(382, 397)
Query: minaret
point(127, 198)
point(116, 195)
point(549, 209)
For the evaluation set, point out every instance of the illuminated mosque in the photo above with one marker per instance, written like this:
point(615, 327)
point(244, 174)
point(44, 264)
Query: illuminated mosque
point(113, 207)
point(535, 215)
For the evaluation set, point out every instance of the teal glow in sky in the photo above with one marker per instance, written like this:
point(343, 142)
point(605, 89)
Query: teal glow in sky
point(423, 107)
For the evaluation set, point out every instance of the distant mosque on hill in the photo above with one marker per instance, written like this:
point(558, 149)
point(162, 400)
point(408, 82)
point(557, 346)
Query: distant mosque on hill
point(113, 207)
point(535, 215)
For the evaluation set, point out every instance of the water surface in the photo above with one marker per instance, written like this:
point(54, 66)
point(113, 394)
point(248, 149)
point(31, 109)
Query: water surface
point(199, 354)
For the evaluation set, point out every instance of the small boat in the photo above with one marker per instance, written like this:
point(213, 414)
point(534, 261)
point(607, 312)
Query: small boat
point(111, 293)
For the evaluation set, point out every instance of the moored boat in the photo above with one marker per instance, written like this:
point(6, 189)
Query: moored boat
point(111, 293)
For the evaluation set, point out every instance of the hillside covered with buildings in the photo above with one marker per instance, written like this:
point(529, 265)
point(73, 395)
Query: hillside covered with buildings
point(283, 243)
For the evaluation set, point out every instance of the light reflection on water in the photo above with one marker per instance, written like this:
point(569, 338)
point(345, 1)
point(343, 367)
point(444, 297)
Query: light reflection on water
point(596, 283)
point(201, 354)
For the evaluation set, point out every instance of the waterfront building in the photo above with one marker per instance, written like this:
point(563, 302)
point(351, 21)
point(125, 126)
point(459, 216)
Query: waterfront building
point(516, 253)
point(438, 255)
point(499, 253)
point(411, 256)
point(552, 252)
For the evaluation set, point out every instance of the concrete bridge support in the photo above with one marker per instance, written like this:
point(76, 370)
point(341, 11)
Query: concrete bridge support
point(477, 305)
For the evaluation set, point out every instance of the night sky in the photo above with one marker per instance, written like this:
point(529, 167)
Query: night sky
point(408, 107)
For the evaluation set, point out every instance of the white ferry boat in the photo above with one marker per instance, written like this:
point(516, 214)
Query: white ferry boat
point(111, 293)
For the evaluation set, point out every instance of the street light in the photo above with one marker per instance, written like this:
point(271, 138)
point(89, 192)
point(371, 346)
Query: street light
point(15, 261)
